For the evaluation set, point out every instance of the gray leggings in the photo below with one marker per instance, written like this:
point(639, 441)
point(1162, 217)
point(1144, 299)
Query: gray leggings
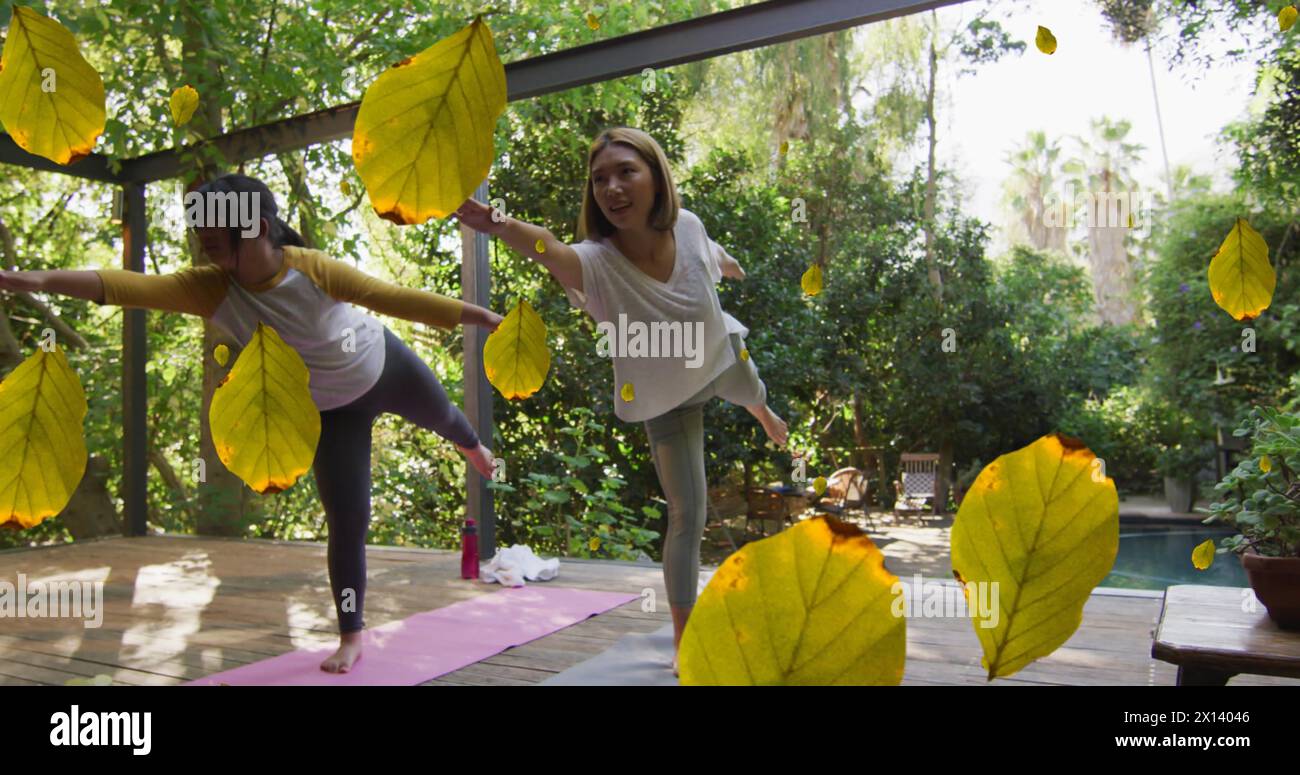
point(677, 449)
point(407, 388)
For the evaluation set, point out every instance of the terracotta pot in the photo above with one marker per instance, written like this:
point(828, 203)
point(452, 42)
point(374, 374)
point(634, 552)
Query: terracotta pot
point(1276, 581)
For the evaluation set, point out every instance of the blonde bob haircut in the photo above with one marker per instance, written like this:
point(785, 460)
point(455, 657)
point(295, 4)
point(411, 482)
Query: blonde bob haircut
point(592, 223)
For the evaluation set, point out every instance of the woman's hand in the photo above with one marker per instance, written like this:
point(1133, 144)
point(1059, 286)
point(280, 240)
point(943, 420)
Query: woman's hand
point(478, 217)
point(474, 315)
point(20, 281)
point(491, 320)
point(731, 268)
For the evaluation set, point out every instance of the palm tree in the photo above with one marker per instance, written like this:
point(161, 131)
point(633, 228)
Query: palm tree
point(1034, 168)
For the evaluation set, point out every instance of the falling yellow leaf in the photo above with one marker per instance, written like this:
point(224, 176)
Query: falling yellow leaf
point(592, 21)
point(812, 605)
point(593, 544)
point(785, 147)
point(1203, 555)
point(819, 485)
point(51, 99)
point(627, 393)
point(1045, 41)
point(811, 282)
point(1286, 17)
point(1241, 278)
point(515, 356)
point(183, 103)
point(264, 422)
point(423, 139)
point(345, 187)
point(1265, 464)
point(744, 353)
point(540, 247)
point(221, 354)
point(42, 439)
point(1037, 525)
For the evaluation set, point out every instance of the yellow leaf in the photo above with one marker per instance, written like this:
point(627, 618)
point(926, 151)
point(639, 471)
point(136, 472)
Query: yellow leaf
point(812, 280)
point(819, 485)
point(515, 356)
point(51, 99)
point(812, 605)
point(1286, 17)
point(264, 422)
point(744, 353)
point(592, 21)
point(785, 147)
point(183, 102)
point(221, 354)
point(1203, 555)
point(345, 187)
point(593, 544)
point(1045, 41)
point(1241, 278)
point(1265, 464)
point(42, 440)
point(540, 247)
point(423, 139)
point(1036, 524)
point(627, 393)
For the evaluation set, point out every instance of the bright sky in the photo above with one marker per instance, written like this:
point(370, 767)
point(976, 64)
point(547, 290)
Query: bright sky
point(1090, 75)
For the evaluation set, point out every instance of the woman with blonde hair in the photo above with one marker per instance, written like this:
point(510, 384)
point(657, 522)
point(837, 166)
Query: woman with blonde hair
point(645, 264)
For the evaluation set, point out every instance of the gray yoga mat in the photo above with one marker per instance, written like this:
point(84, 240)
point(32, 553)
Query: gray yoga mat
point(641, 659)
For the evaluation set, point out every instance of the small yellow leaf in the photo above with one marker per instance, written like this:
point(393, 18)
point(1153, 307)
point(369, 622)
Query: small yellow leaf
point(1203, 555)
point(592, 21)
point(627, 393)
point(811, 282)
point(1241, 278)
point(265, 424)
point(51, 99)
point(183, 103)
point(819, 485)
point(811, 605)
point(221, 354)
point(422, 141)
point(540, 247)
point(1037, 526)
point(345, 187)
point(744, 353)
point(42, 440)
point(1265, 464)
point(1045, 41)
point(785, 147)
point(515, 356)
point(594, 543)
point(1286, 17)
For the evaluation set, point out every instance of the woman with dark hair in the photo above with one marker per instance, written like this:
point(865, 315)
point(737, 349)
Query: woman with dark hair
point(359, 368)
point(640, 264)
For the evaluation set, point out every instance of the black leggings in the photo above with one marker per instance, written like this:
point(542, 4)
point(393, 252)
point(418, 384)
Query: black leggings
point(407, 388)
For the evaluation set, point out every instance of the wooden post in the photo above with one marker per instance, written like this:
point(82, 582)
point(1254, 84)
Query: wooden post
point(474, 283)
point(135, 352)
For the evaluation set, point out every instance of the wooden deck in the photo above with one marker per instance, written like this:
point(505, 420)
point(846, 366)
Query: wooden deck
point(177, 608)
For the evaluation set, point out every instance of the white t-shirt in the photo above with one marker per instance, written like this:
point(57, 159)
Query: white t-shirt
point(668, 340)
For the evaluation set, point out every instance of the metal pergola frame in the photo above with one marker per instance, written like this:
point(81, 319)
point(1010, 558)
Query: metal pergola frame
point(748, 27)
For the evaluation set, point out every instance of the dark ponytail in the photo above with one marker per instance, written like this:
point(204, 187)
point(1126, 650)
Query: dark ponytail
point(281, 233)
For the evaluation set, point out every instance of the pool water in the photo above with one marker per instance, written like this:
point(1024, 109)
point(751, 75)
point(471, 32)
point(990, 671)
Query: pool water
point(1158, 556)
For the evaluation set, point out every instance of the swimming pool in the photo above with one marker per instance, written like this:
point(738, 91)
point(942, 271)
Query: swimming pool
point(1158, 556)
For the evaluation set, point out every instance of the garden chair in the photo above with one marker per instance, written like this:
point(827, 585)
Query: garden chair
point(846, 490)
point(764, 505)
point(916, 483)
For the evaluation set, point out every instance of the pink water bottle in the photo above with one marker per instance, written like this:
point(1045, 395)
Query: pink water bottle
point(469, 550)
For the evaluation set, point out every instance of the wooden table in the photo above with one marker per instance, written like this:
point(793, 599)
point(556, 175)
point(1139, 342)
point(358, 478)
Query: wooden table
point(1211, 634)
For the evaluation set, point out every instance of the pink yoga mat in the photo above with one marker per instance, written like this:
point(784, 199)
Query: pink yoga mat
point(433, 643)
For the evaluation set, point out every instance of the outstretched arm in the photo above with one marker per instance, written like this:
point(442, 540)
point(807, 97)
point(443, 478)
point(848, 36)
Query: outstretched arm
point(83, 285)
point(195, 291)
point(558, 258)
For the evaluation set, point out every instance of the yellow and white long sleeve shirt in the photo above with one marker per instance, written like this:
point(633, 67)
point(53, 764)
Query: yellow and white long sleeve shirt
point(308, 303)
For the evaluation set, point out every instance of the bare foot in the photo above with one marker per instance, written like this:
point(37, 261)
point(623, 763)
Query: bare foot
point(675, 666)
point(349, 652)
point(773, 426)
point(480, 458)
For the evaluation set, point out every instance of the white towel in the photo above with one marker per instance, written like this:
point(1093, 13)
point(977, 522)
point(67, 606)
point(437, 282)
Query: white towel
point(509, 567)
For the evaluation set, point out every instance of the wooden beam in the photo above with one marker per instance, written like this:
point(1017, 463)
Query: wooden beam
point(93, 167)
point(135, 351)
point(475, 287)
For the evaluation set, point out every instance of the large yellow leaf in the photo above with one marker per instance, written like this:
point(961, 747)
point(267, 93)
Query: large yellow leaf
point(1036, 524)
point(51, 100)
point(515, 356)
point(811, 605)
point(265, 424)
point(1241, 278)
point(423, 136)
point(42, 446)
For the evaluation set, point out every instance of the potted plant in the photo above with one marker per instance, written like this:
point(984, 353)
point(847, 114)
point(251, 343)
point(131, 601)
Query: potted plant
point(1260, 498)
point(1178, 464)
